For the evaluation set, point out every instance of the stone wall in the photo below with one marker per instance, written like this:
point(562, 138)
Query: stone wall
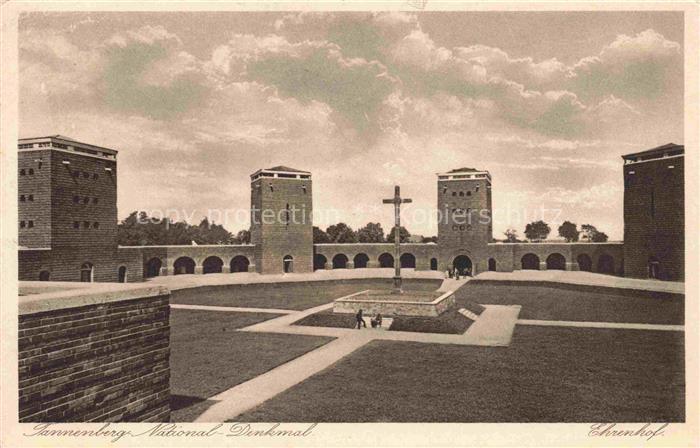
point(387, 307)
point(506, 257)
point(93, 353)
point(604, 258)
point(166, 256)
point(324, 254)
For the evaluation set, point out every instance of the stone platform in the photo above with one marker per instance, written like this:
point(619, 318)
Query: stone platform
point(371, 302)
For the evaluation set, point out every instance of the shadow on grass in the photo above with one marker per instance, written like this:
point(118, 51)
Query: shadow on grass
point(186, 408)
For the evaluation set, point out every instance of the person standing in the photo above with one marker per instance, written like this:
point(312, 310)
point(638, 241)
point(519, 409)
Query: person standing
point(360, 320)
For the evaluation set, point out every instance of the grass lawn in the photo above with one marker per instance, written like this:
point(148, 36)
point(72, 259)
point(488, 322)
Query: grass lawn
point(208, 356)
point(449, 322)
point(546, 375)
point(293, 296)
point(552, 303)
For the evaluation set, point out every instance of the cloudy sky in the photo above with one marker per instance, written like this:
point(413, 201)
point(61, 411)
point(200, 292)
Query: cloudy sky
point(195, 102)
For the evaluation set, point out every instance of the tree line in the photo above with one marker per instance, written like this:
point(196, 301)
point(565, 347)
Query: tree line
point(138, 229)
point(372, 232)
point(537, 231)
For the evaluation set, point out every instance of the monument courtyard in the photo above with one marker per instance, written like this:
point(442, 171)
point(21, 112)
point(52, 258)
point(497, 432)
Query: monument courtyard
point(465, 330)
point(436, 148)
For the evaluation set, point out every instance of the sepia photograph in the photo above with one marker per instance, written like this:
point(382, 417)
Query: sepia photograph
point(230, 226)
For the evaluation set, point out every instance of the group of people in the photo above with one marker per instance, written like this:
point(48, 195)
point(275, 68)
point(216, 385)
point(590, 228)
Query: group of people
point(457, 273)
point(376, 322)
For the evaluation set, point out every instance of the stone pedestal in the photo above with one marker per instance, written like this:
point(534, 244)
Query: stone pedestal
point(226, 269)
point(164, 270)
point(543, 265)
point(198, 270)
point(350, 265)
point(328, 266)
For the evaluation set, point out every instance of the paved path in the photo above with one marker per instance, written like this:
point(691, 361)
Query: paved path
point(586, 278)
point(247, 395)
point(616, 325)
point(232, 308)
point(494, 326)
point(450, 284)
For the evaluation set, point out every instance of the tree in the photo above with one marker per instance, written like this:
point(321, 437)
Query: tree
point(568, 231)
point(511, 236)
point(371, 233)
point(592, 234)
point(213, 233)
point(429, 239)
point(242, 237)
point(341, 233)
point(403, 235)
point(537, 231)
point(320, 237)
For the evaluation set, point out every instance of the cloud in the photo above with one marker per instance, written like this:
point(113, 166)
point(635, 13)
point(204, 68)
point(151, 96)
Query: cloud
point(632, 67)
point(533, 75)
point(146, 71)
point(353, 87)
point(146, 34)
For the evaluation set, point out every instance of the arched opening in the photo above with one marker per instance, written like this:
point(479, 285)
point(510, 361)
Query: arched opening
point(121, 274)
point(86, 272)
point(340, 261)
point(386, 260)
point(584, 263)
point(212, 265)
point(288, 264)
point(654, 268)
point(433, 264)
point(44, 276)
point(530, 261)
point(556, 262)
point(408, 261)
point(153, 267)
point(320, 261)
point(462, 265)
point(183, 265)
point(360, 261)
point(239, 263)
point(492, 264)
point(606, 264)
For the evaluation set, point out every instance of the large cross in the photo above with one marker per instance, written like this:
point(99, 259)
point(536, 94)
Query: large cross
point(397, 201)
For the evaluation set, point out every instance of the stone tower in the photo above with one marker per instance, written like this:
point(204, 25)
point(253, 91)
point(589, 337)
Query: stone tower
point(654, 213)
point(67, 210)
point(464, 227)
point(281, 214)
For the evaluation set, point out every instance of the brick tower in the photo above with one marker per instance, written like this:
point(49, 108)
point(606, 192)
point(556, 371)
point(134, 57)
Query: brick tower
point(464, 227)
point(281, 214)
point(654, 213)
point(68, 212)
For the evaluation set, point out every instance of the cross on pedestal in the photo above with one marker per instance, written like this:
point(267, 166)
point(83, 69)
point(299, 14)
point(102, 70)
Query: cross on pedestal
point(397, 201)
